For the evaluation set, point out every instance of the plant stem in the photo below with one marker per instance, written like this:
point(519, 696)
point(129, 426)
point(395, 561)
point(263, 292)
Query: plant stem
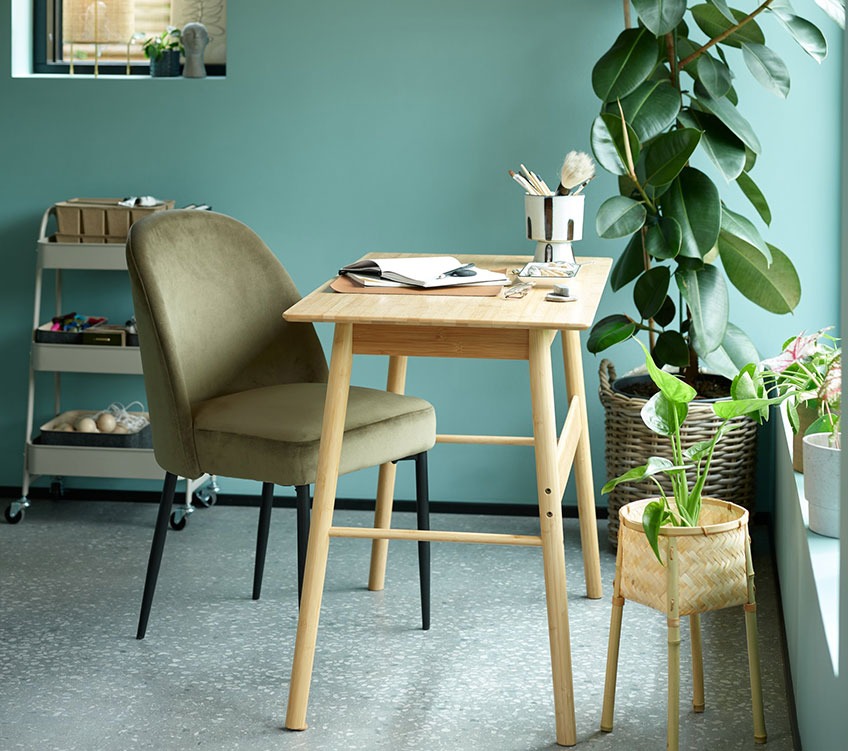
point(721, 37)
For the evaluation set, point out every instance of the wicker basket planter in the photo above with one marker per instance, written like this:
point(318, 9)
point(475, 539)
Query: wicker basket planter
point(705, 568)
point(629, 443)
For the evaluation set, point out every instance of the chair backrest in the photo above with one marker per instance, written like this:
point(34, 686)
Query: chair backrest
point(209, 297)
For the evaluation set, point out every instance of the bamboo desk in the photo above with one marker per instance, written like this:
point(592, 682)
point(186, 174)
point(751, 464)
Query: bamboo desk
point(476, 327)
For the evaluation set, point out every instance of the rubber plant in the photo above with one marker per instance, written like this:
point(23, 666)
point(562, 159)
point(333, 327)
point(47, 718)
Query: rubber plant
point(668, 103)
point(663, 414)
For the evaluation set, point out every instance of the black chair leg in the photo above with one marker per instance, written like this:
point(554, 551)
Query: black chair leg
point(303, 514)
point(265, 506)
point(422, 506)
point(156, 549)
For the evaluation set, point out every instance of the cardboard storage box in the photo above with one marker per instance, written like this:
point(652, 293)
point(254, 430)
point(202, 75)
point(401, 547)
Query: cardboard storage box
point(141, 439)
point(99, 220)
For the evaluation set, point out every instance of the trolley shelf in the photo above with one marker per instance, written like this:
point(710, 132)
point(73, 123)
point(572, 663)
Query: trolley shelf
point(92, 461)
point(81, 256)
point(86, 358)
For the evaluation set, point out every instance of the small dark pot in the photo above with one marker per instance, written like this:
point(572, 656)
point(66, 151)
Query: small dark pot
point(167, 66)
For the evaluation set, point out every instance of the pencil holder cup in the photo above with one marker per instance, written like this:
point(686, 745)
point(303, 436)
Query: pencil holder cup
point(554, 222)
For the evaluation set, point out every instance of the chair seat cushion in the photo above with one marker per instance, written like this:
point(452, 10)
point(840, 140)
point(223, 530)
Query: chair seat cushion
point(272, 434)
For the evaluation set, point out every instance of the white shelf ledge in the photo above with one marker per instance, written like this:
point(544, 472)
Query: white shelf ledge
point(84, 358)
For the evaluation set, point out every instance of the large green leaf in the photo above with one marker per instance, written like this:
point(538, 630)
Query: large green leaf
point(725, 150)
point(714, 75)
point(619, 216)
point(739, 227)
point(713, 23)
point(650, 291)
point(693, 202)
point(673, 388)
point(660, 16)
point(735, 351)
point(650, 109)
point(608, 143)
point(767, 67)
point(706, 297)
point(662, 415)
point(654, 466)
point(653, 516)
point(776, 288)
point(730, 116)
point(724, 9)
point(672, 348)
point(805, 33)
point(625, 65)
point(665, 315)
point(755, 196)
point(629, 265)
point(663, 239)
point(668, 154)
point(608, 331)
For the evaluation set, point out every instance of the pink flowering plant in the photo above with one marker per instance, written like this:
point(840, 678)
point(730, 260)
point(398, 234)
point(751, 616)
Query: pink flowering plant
point(809, 371)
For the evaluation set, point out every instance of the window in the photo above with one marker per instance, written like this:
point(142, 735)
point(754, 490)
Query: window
point(72, 35)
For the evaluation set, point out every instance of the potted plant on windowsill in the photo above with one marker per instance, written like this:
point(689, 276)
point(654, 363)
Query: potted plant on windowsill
point(809, 372)
point(667, 96)
point(164, 52)
point(685, 553)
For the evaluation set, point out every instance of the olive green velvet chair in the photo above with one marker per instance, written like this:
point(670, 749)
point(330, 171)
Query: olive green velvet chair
point(235, 390)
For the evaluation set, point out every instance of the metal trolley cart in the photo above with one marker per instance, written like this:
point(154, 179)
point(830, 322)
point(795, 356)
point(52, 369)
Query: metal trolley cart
point(47, 460)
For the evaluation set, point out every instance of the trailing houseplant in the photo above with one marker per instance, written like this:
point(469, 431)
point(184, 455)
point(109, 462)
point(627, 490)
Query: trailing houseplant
point(667, 97)
point(664, 414)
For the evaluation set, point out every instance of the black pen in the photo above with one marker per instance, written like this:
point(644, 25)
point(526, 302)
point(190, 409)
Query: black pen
point(457, 271)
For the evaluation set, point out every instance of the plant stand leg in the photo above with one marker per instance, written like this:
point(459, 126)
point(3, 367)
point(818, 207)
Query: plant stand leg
point(673, 613)
point(614, 643)
point(697, 662)
point(754, 651)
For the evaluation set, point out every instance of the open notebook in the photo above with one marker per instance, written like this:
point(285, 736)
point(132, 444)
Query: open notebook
point(427, 272)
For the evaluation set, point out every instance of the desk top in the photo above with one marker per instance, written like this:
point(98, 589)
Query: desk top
point(530, 312)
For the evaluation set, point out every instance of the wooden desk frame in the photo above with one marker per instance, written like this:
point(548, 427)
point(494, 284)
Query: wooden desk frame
point(555, 456)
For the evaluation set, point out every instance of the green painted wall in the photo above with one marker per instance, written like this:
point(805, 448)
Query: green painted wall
point(343, 128)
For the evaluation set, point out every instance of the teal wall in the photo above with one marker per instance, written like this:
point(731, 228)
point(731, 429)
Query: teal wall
point(387, 126)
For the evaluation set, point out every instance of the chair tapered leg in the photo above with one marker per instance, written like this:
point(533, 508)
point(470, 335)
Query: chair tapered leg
point(422, 505)
point(302, 533)
point(156, 549)
point(265, 506)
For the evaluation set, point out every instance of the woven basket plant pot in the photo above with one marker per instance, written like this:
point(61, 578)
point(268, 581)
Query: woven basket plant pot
point(629, 443)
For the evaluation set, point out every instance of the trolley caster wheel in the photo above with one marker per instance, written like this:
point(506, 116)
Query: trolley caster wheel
point(57, 490)
point(178, 524)
point(13, 518)
point(206, 496)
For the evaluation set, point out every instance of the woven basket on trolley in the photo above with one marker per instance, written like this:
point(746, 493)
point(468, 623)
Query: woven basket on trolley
point(711, 559)
point(629, 443)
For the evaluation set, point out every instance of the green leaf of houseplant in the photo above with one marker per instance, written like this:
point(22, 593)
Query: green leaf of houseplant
point(672, 348)
point(693, 202)
point(650, 109)
point(660, 16)
point(775, 288)
point(673, 388)
point(713, 23)
point(608, 143)
point(609, 331)
point(625, 65)
point(629, 265)
point(735, 351)
point(723, 8)
point(714, 75)
point(724, 148)
point(654, 466)
point(730, 116)
point(663, 239)
point(652, 518)
point(662, 415)
point(668, 154)
point(650, 291)
point(806, 34)
point(767, 67)
point(706, 297)
point(755, 196)
point(742, 228)
point(619, 216)
point(665, 315)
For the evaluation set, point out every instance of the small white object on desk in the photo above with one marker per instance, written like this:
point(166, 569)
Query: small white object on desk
point(561, 293)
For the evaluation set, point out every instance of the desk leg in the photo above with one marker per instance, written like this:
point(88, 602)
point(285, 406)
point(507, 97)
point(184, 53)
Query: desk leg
point(332, 433)
point(395, 383)
point(575, 386)
point(550, 520)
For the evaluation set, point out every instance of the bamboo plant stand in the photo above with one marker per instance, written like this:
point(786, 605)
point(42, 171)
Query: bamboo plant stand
point(706, 568)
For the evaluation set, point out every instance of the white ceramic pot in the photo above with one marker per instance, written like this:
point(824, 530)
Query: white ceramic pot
point(554, 222)
point(821, 483)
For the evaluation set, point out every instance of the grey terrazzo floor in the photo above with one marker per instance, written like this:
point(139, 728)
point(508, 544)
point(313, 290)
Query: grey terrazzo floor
point(213, 671)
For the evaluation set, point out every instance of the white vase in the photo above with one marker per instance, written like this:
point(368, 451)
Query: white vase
point(554, 222)
point(821, 483)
